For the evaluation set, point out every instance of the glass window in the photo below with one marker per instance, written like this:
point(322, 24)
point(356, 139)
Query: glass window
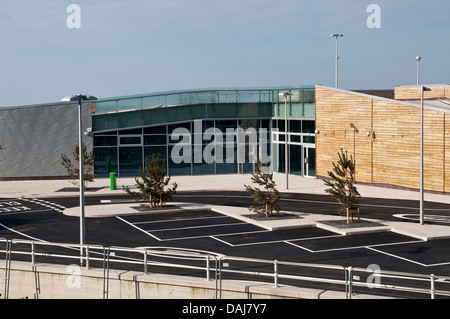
point(155, 130)
point(309, 139)
point(105, 161)
point(105, 140)
point(281, 158)
point(124, 104)
point(265, 124)
point(186, 125)
point(203, 167)
point(130, 160)
point(223, 125)
point(308, 126)
point(136, 131)
point(151, 101)
point(227, 97)
point(309, 95)
point(161, 150)
point(106, 133)
point(155, 139)
point(228, 162)
point(295, 159)
point(182, 166)
point(130, 140)
point(281, 125)
point(295, 126)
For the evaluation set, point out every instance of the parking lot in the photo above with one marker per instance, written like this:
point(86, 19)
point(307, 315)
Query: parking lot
point(207, 230)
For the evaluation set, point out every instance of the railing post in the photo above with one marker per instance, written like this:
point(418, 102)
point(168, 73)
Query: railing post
point(432, 278)
point(275, 273)
point(348, 282)
point(8, 252)
point(207, 268)
point(33, 261)
point(145, 262)
point(87, 257)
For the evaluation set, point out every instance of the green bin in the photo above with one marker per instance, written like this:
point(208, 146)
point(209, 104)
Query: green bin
point(112, 181)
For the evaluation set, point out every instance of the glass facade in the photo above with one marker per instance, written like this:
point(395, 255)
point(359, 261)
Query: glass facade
point(206, 132)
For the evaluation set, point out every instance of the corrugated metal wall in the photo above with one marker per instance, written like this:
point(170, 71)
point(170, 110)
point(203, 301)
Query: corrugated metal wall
point(33, 137)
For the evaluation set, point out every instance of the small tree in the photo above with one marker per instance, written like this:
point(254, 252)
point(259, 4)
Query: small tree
point(152, 187)
point(269, 197)
point(342, 186)
point(88, 166)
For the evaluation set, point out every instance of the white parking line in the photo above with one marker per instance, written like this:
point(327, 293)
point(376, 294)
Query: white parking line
point(222, 241)
point(132, 225)
point(284, 240)
point(22, 234)
point(211, 236)
point(192, 227)
point(395, 256)
point(175, 220)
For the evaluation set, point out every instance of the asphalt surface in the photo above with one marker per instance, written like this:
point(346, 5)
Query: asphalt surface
point(203, 230)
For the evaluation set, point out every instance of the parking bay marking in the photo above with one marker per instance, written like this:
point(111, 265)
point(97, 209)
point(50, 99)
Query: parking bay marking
point(179, 238)
point(14, 207)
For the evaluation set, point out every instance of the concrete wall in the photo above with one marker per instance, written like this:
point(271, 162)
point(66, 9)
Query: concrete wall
point(33, 137)
point(72, 282)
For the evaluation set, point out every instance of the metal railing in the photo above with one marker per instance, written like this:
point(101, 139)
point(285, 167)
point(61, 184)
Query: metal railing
point(177, 261)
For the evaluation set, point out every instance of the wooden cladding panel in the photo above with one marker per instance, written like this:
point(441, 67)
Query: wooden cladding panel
point(393, 157)
point(343, 121)
point(413, 92)
point(446, 164)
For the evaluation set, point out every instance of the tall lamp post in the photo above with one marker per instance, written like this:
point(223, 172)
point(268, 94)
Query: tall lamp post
point(337, 35)
point(421, 214)
point(286, 139)
point(81, 98)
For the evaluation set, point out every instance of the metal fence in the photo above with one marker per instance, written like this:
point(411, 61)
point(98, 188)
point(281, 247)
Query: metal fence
point(178, 261)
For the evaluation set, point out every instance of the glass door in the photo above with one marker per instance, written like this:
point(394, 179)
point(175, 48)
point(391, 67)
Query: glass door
point(310, 161)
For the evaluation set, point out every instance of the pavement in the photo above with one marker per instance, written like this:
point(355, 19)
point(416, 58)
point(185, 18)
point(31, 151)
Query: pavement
point(305, 185)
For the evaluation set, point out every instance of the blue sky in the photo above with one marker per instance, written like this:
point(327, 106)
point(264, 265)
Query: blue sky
point(142, 46)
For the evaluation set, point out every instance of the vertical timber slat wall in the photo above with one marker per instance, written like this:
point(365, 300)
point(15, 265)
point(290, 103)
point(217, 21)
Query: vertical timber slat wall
point(346, 120)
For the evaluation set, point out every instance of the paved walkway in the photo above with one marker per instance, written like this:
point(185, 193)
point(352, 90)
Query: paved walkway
point(17, 189)
point(297, 184)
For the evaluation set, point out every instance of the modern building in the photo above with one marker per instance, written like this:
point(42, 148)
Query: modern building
point(126, 130)
point(224, 131)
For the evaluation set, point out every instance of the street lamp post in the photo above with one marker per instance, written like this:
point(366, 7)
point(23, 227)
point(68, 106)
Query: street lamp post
point(421, 156)
point(337, 35)
point(80, 98)
point(421, 214)
point(286, 139)
point(81, 176)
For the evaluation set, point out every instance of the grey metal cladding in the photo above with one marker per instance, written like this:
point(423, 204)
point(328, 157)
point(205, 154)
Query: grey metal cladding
point(32, 138)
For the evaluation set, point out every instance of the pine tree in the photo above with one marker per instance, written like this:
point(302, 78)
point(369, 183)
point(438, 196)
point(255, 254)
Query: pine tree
point(269, 197)
point(342, 187)
point(88, 166)
point(153, 183)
